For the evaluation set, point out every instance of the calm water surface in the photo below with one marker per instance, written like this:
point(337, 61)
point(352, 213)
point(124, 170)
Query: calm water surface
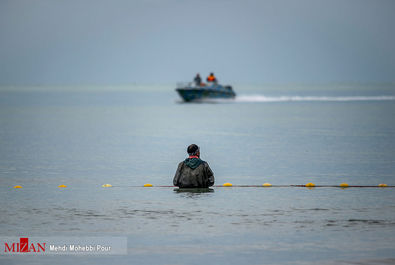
point(86, 137)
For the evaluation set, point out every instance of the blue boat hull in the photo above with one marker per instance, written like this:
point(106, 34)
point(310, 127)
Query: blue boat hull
point(200, 93)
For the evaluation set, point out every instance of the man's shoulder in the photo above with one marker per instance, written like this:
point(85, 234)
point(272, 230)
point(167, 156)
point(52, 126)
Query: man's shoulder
point(205, 163)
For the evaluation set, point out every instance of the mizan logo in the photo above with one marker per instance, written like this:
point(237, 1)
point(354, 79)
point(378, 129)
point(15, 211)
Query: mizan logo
point(24, 246)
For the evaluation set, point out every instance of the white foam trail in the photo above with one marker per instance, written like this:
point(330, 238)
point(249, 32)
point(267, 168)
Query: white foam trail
point(262, 98)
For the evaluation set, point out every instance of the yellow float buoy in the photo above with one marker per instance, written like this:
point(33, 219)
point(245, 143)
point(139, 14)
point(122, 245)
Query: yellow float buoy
point(266, 184)
point(148, 185)
point(310, 185)
point(383, 185)
point(62, 186)
point(344, 185)
point(106, 185)
point(17, 187)
point(227, 184)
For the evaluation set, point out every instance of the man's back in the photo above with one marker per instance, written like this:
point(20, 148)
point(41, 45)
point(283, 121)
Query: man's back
point(193, 173)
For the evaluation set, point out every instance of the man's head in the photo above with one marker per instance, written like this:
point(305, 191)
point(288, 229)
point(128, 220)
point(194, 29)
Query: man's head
point(193, 150)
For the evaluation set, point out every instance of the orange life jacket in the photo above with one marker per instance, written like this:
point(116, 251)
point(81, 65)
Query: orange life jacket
point(210, 78)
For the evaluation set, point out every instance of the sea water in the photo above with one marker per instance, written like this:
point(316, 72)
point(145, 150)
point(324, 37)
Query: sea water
point(127, 136)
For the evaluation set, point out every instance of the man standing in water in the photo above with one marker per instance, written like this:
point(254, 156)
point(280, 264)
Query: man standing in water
point(193, 172)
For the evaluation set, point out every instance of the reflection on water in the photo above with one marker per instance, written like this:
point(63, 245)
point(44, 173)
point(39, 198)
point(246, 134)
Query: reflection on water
point(215, 210)
point(216, 221)
point(194, 190)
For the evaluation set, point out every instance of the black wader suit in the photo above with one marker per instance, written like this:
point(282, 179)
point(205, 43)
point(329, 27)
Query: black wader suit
point(193, 173)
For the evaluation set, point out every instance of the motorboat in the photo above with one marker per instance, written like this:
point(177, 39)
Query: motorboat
point(192, 92)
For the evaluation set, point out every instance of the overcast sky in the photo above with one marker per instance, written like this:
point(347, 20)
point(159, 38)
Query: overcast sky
point(165, 41)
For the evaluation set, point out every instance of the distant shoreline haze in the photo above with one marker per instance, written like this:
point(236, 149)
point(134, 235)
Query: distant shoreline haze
point(121, 42)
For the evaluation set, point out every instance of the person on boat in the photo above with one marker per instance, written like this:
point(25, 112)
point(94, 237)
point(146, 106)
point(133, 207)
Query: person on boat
point(193, 172)
point(212, 79)
point(198, 80)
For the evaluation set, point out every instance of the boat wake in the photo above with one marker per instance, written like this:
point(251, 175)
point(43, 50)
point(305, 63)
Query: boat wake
point(262, 98)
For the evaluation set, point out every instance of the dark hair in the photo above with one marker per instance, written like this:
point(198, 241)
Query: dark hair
point(192, 149)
